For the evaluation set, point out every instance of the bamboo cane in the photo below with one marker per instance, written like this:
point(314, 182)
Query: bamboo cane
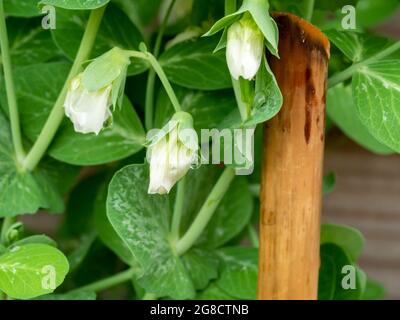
point(292, 166)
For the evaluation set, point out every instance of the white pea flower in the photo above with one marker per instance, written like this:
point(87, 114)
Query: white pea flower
point(92, 93)
point(244, 48)
point(172, 152)
point(87, 110)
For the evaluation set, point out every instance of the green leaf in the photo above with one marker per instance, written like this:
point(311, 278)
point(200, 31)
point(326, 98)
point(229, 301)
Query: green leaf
point(79, 214)
point(29, 42)
point(24, 192)
point(213, 292)
point(141, 12)
point(142, 221)
point(333, 5)
point(55, 179)
point(328, 183)
point(19, 192)
point(116, 30)
point(76, 257)
point(76, 4)
point(297, 7)
point(327, 278)
point(209, 109)
point(106, 231)
point(35, 239)
point(36, 97)
point(374, 291)
point(239, 272)
point(347, 238)
point(21, 8)
point(37, 87)
point(202, 266)
point(192, 64)
point(231, 216)
point(372, 12)
point(268, 97)
point(376, 90)
point(337, 259)
point(342, 111)
point(361, 281)
point(79, 295)
point(357, 46)
point(26, 271)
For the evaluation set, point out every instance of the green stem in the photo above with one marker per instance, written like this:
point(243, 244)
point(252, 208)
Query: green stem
point(230, 6)
point(243, 106)
point(309, 9)
point(149, 107)
point(108, 282)
point(253, 235)
point(206, 212)
point(54, 120)
point(9, 84)
point(7, 223)
point(161, 74)
point(178, 209)
point(348, 73)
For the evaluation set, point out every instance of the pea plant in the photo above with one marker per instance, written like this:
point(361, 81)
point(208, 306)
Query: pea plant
point(104, 109)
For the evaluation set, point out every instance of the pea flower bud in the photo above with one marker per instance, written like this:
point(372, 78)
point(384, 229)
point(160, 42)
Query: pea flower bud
point(171, 153)
point(244, 48)
point(91, 93)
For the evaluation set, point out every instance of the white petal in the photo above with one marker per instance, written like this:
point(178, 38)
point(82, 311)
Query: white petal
point(244, 49)
point(233, 49)
point(87, 110)
point(170, 160)
point(158, 168)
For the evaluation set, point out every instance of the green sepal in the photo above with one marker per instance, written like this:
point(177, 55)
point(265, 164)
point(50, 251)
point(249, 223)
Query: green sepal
point(183, 120)
point(117, 92)
point(258, 9)
point(106, 69)
point(222, 42)
point(225, 22)
point(186, 133)
point(152, 139)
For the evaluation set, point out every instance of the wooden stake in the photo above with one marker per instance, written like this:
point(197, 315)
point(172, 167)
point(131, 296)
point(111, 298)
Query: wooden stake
point(292, 166)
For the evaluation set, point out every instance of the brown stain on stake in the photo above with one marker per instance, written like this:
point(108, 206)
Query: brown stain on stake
point(291, 183)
